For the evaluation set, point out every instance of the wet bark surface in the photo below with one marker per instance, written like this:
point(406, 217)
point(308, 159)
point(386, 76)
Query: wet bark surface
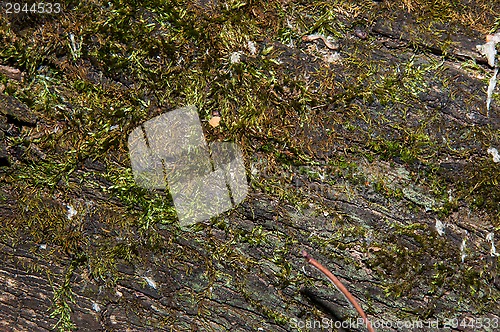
point(376, 227)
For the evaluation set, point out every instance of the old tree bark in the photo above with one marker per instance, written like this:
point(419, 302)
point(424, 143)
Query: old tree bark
point(379, 169)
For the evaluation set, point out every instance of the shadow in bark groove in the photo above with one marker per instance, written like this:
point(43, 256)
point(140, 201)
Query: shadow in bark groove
point(326, 307)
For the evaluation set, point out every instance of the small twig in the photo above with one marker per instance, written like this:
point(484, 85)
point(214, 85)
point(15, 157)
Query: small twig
point(340, 287)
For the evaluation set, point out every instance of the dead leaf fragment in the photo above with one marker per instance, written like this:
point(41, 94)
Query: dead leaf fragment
point(214, 121)
point(493, 38)
point(374, 249)
point(491, 88)
point(330, 43)
point(489, 51)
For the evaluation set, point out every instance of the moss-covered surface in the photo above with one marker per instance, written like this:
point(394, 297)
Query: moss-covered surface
point(352, 155)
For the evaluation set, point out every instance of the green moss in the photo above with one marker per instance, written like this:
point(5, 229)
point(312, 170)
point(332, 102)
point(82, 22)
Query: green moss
point(62, 302)
point(409, 269)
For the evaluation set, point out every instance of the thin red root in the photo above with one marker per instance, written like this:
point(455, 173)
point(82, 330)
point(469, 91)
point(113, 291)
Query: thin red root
point(340, 286)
